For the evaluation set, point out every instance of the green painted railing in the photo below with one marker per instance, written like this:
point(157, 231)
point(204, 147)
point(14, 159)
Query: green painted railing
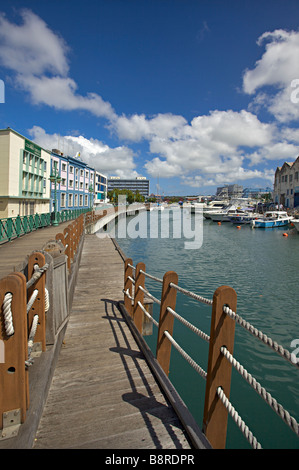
point(14, 227)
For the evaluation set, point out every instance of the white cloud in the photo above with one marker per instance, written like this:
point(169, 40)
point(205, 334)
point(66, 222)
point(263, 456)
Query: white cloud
point(278, 67)
point(39, 59)
point(217, 145)
point(138, 127)
point(111, 161)
point(60, 93)
point(32, 48)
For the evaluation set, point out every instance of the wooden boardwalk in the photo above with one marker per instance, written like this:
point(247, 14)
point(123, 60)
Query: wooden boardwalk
point(103, 394)
point(13, 253)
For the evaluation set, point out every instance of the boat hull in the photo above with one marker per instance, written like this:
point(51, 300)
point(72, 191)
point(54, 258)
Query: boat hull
point(270, 223)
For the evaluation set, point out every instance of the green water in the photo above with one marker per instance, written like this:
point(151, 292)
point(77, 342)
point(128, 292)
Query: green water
point(262, 266)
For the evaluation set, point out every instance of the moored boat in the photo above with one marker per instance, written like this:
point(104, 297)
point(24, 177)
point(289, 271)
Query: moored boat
point(272, 219)
point(243, 217)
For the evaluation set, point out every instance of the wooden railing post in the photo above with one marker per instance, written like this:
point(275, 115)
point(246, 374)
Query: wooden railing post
point(14, 399)
point(68, 248)
point(128, 286)
point(219, 369)
point(138, 296)
point(168, 299)
point(38, 307)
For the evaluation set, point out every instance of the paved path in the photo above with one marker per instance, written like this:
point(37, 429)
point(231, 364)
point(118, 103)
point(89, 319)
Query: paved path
point(103, 394)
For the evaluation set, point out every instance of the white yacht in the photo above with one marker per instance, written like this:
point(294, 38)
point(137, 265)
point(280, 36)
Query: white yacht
point(236, 206)
point(213, 206)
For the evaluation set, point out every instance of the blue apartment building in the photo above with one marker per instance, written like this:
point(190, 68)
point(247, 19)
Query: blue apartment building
point(75, 188)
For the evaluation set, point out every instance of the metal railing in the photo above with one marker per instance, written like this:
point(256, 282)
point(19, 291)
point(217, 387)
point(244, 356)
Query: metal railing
point(14, 227)
point(217, 406)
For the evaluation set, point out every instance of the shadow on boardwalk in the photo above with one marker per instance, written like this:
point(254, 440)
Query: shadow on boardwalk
point(147, 405)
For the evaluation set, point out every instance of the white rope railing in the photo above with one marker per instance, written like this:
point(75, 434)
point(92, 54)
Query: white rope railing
point(29, 361)
point(126, 292)
point(32, 299)
point(262, 392)
point(238, 420)
point(8, 320)
point(150, 295)
point(147, 313)
point(186, 356)
point(260, 335)
point(192, 294)
point(150, 276)
point(189, 325)
point(37, 274)
point(47, 300)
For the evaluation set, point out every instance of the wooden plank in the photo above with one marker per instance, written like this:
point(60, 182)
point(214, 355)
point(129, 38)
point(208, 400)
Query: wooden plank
point(13, 253)
point(103, 394)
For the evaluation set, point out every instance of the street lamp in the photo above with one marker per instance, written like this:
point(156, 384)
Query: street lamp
point(90, 190)
point(55, 178)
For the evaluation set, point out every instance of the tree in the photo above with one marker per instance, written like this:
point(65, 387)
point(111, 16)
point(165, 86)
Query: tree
point(131, 197)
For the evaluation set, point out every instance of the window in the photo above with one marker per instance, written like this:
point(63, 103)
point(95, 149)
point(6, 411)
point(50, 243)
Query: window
point(63, 166)
point(296, 176)
point(81, 199)
point(76, 200)
point(70, 201)
point(81, 185)
point(71, 183)
point(86, 200)
point(63, 182)
point(71, 169)
point(81, 173)
point(62, 201)
point(24, 180)
point(291, 178)
point(25, 156)
point(286, 178)
point(45, 166)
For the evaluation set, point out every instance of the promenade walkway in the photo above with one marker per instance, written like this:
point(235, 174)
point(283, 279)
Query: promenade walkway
point(13, 253)
point(103, 394)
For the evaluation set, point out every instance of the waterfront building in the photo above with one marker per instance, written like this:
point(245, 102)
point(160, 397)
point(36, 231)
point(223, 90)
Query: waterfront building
point(140, 184)
point(76, 187)
point(100, 188)
point(24, 175)
point(230, 191)
point(286, 184)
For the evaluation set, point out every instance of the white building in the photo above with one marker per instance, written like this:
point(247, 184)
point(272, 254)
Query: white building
point(24, 176)
point(286, 184)
point(100, 188)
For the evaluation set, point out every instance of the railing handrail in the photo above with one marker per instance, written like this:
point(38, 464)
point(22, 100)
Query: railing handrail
point(224, 351)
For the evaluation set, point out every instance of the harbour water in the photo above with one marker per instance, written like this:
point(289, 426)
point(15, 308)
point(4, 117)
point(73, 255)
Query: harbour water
point(262, 266)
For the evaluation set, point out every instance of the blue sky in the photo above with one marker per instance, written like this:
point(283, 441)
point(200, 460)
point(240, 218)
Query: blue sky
point(193, 94)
